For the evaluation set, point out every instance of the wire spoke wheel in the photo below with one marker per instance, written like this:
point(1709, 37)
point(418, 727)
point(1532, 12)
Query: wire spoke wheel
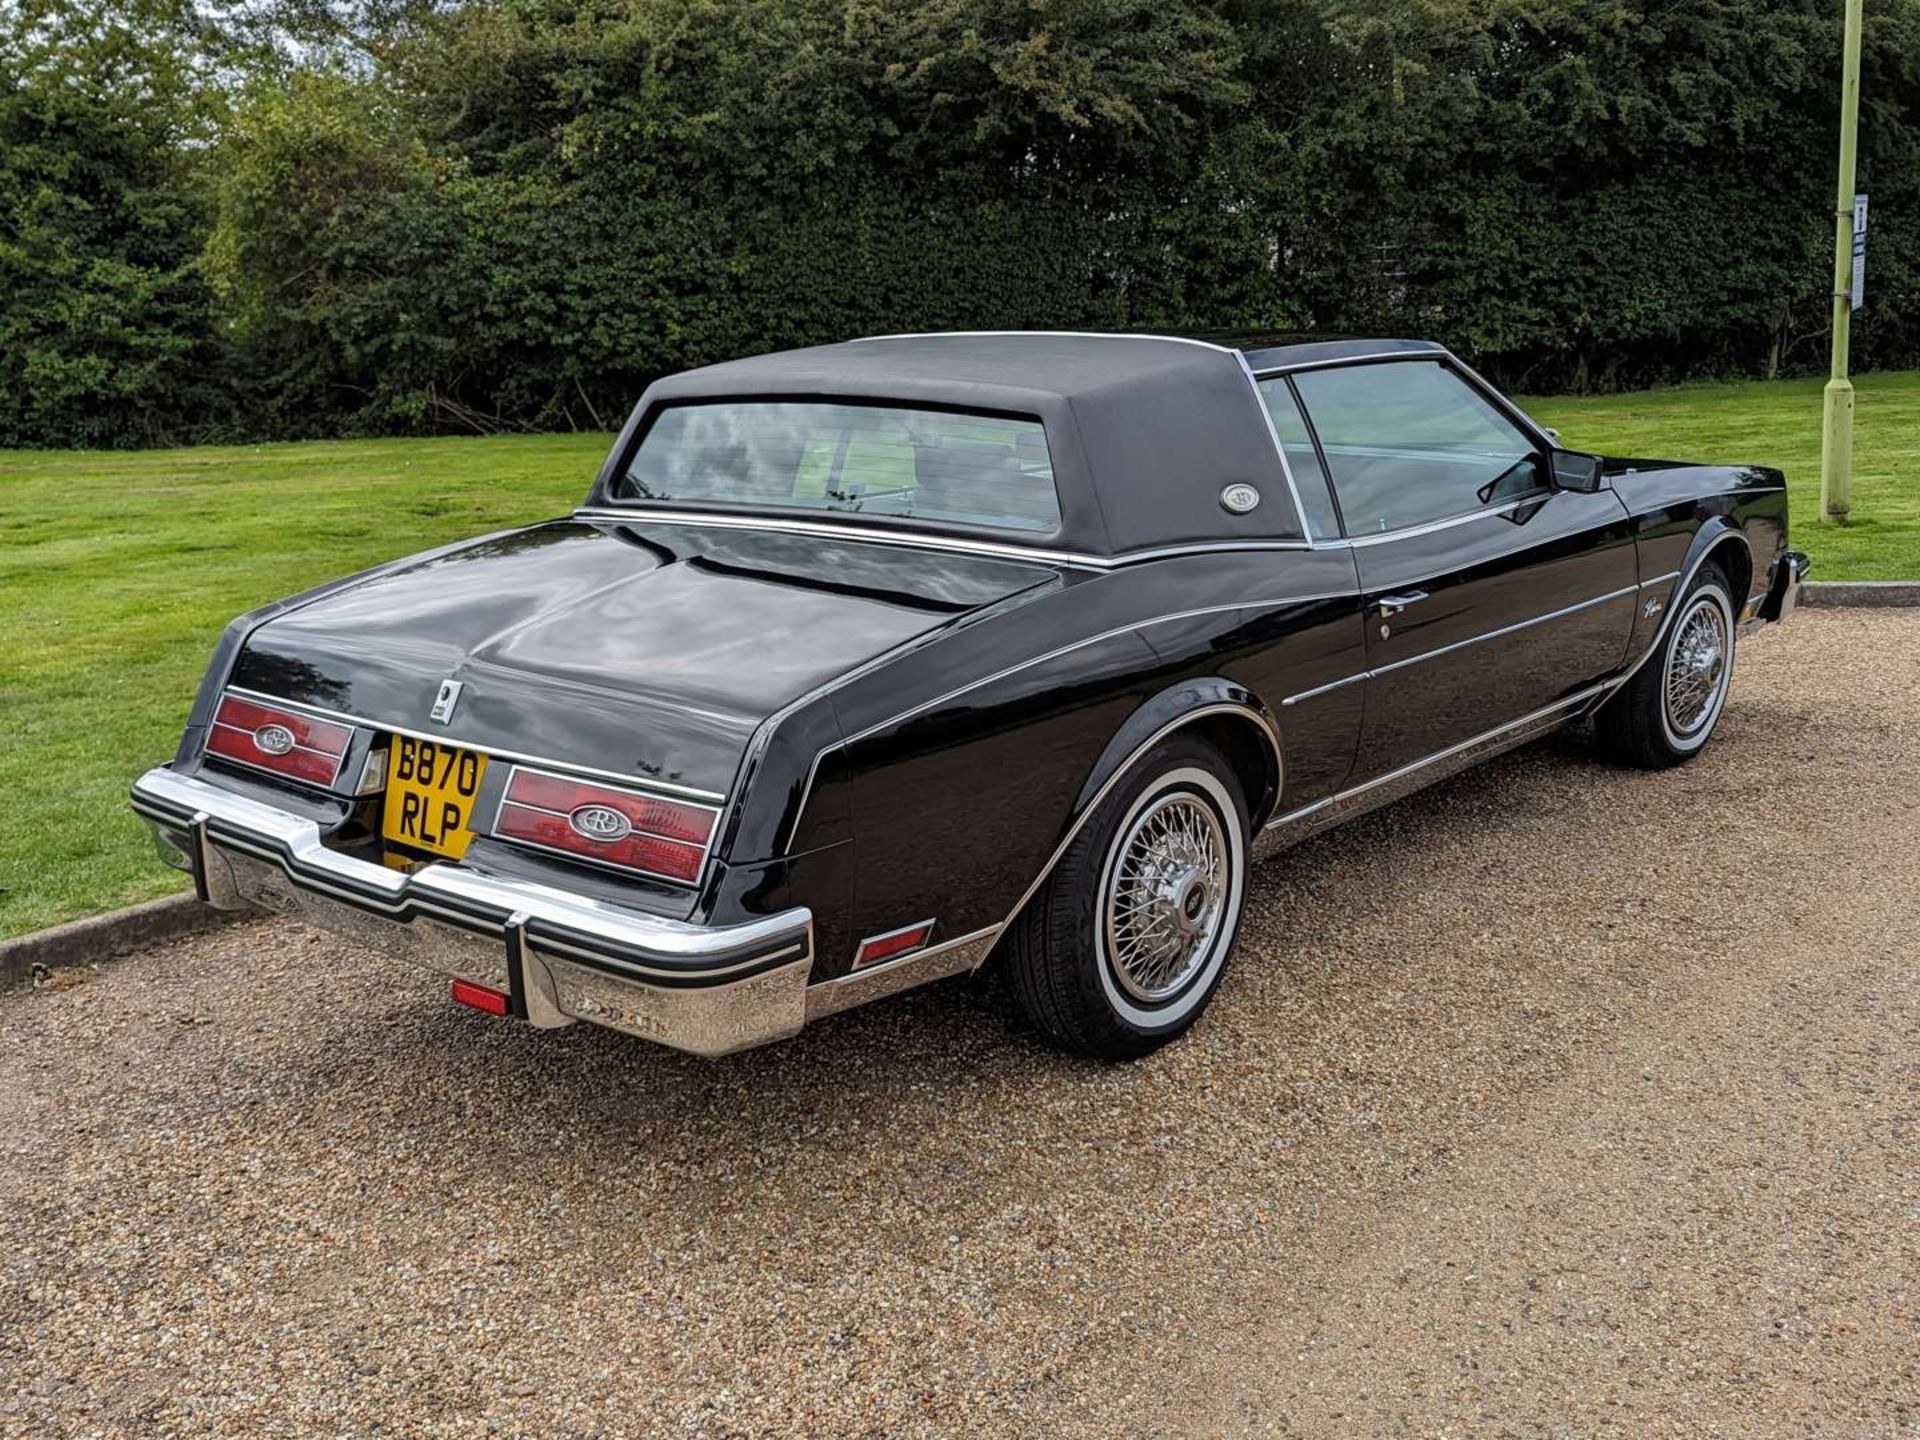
point(1697, 669)
point(1166, 896)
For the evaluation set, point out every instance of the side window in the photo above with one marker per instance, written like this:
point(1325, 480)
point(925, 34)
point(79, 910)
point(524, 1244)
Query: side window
point(1302, 459)
point(1409, 442)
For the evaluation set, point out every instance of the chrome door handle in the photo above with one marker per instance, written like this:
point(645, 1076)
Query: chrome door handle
point(1391, 605)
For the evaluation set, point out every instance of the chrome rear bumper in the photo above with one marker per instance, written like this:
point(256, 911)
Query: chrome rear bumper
point(559, 957)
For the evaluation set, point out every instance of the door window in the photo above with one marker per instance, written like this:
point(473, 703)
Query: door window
point(1410, 442)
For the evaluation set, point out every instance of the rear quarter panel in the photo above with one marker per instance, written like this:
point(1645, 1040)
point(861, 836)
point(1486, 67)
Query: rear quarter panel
point(967, 761)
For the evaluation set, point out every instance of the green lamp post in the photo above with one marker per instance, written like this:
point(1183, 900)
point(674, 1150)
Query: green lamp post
point(1836, 438)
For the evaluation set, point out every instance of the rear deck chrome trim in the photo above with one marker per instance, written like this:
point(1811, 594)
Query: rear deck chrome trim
point(631, 782)
point(780, 524)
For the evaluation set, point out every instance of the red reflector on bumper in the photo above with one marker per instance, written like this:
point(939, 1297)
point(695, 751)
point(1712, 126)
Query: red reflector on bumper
point(479, 997)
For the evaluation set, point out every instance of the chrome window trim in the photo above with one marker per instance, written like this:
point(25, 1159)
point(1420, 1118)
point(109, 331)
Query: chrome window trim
point(1500, 402)
point(1524, 544)
point(1072, 334)
point(665, 787)
point(1214, 547)
point(1371, 357)
point(1279, 450)
point(1440, 355)
point(1377, 670)
point(1428, 527)
point(1075, 558)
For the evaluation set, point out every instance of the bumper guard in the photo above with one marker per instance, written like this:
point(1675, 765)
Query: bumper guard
point(559, 957)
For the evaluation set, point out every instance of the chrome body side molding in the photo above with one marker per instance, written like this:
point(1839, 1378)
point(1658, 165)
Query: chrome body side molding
point(1297, 825)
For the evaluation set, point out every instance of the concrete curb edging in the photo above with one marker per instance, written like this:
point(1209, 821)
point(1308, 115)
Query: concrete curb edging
point(1860, 592)
point(99, 937)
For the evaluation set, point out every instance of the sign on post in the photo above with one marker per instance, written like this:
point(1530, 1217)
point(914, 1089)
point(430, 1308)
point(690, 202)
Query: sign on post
point(1858, 298)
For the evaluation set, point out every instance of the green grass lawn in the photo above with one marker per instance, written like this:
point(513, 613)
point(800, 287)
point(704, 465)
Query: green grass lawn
point(1778, 424)
point(118, 570)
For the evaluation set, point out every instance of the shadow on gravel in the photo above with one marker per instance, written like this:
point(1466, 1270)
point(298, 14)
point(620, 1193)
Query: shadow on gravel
point(586, 1096)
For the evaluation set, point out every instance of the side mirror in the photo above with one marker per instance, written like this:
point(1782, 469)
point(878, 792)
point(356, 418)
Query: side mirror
point(1575, 471)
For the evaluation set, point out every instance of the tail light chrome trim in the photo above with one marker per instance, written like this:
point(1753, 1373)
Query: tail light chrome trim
point(282, 741)
point(622, 829)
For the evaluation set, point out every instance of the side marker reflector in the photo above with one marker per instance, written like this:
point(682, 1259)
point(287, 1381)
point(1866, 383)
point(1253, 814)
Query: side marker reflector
point(465, 992)
point(892, 944)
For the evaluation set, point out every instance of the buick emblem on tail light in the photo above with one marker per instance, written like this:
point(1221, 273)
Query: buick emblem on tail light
point(600, 822)
point(273, 739)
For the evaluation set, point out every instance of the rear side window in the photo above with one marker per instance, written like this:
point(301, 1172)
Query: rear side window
point(1411, 442)
point(992, 471)
point(1290, 428)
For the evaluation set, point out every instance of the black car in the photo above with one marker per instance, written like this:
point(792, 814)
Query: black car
point(864, 664)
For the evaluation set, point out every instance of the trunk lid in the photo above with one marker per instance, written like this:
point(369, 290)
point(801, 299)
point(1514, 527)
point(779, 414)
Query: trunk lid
point(650, 650)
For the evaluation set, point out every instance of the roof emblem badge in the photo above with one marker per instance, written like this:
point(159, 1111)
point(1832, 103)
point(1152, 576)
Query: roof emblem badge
point(1239, 499)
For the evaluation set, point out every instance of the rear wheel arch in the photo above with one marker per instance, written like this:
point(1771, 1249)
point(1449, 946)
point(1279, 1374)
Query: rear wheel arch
point(1225, 714)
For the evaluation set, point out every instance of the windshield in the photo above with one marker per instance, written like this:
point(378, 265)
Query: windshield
point(873, 459)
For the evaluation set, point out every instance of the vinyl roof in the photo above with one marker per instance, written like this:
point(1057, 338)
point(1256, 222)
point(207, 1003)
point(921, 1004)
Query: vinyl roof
point(1145, 430)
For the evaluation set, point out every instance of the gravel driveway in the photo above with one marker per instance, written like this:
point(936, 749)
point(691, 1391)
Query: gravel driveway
point(1557, 1100)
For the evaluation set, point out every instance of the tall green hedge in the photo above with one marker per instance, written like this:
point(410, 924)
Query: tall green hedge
point(514, 213)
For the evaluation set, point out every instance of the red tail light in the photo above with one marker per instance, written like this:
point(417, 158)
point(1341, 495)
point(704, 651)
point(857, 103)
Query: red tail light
point(261, 734)
point(615, 827)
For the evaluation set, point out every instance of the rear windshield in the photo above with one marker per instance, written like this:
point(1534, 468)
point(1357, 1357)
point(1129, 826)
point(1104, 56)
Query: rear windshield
point(873, 459)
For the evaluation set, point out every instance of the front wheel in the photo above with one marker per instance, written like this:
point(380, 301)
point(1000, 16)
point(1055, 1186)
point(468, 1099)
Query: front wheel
point(1127, 941)
point(1667, 712)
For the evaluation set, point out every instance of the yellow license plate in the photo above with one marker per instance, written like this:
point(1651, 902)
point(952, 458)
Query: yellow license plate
point(430, 793)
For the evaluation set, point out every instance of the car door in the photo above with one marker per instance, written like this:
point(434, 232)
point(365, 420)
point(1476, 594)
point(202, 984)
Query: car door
point(1489, 594)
